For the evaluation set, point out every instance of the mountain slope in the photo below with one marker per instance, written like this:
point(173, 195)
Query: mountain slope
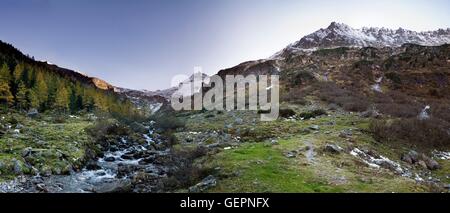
point(359, 113)
point(342, 35)
point(11, 55)
point(30, 84)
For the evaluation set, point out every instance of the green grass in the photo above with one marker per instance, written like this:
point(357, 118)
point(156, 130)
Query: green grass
point(444, 173)
point(57, 146)
point(258, 166)
point(262, 169)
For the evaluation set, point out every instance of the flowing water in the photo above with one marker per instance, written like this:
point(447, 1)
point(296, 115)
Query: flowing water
point(112, 172)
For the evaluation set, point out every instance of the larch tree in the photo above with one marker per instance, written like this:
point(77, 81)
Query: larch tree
point(5, 73)
point(6, 97)
point(41, 88)
point(62, 98)
point(18, 71)
point(33, 98)
point(21, 96)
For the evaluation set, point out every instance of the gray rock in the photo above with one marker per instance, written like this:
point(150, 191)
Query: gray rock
point(314, 127)
point(238, 121)
point(389, 165)
point(146, 161)
point(92, 165)
point(110, 159)
point(291, 154)
point(414, 156)
point(118, 186)
point(432, 164)
point(422, 164)
point(371, 114)
point(213, 145)
point(333, 148)
point(41, 187)
point(32, 113)
point(407, 159)
point(18, 167)
point(27, 151)
point(127, 156)
point(347, 133)
point(205, 184)
point(447, 187)
point(125, 169)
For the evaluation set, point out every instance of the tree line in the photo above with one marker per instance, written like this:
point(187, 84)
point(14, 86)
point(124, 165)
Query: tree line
point(25, 86)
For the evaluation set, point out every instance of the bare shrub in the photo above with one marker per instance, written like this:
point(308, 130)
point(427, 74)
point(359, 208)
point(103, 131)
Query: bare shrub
point(313, 113)
point(168, 122)
point(297, 94)
point(184, 171)
point(356, 105)
point(430, 133)
point(441, 110)
point(347, 99)
point(294, 95)
point(399, 110)
point(286, 112)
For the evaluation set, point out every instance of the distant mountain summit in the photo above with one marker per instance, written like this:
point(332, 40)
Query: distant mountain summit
point(342, 35)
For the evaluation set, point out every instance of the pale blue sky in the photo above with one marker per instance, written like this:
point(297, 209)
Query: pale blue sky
point(142, 44)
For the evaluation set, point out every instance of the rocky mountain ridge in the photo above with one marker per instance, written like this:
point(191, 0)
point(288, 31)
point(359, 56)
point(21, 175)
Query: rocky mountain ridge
point(342, 35)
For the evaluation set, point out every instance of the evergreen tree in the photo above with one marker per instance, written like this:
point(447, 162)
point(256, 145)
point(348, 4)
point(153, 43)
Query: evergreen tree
point(21, 96)
point(62, 98)
point(6, 97)
point(5, 73)
point(41, 89)
point(73, 102)
point(33, 98)
point(33, 85)
point(18, 71)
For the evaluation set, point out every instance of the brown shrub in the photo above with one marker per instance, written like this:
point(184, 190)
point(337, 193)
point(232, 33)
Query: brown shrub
point(167, 123)
point(296, 95)
point(183, 170)
point(313, 113)
point(348, 99)
point(286, 112)
point(430, 133)
point(441, 110)
point(399, 110)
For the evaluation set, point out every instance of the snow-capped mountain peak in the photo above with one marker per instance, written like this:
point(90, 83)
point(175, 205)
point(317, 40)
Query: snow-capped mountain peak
point(342, 35)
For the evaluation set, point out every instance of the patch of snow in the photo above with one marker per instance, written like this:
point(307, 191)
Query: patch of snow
point(155, 107)
point(441, 155)
point(424, 115)
point(380, 161)
point(418, 178)
point(377, 88)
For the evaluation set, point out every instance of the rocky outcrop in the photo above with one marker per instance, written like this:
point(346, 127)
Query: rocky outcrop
point(421, 160)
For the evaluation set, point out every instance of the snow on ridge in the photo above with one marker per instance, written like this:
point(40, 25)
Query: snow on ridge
point(342, 35)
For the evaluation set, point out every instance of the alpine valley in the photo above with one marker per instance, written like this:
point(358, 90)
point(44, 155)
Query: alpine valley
point(362, 110)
